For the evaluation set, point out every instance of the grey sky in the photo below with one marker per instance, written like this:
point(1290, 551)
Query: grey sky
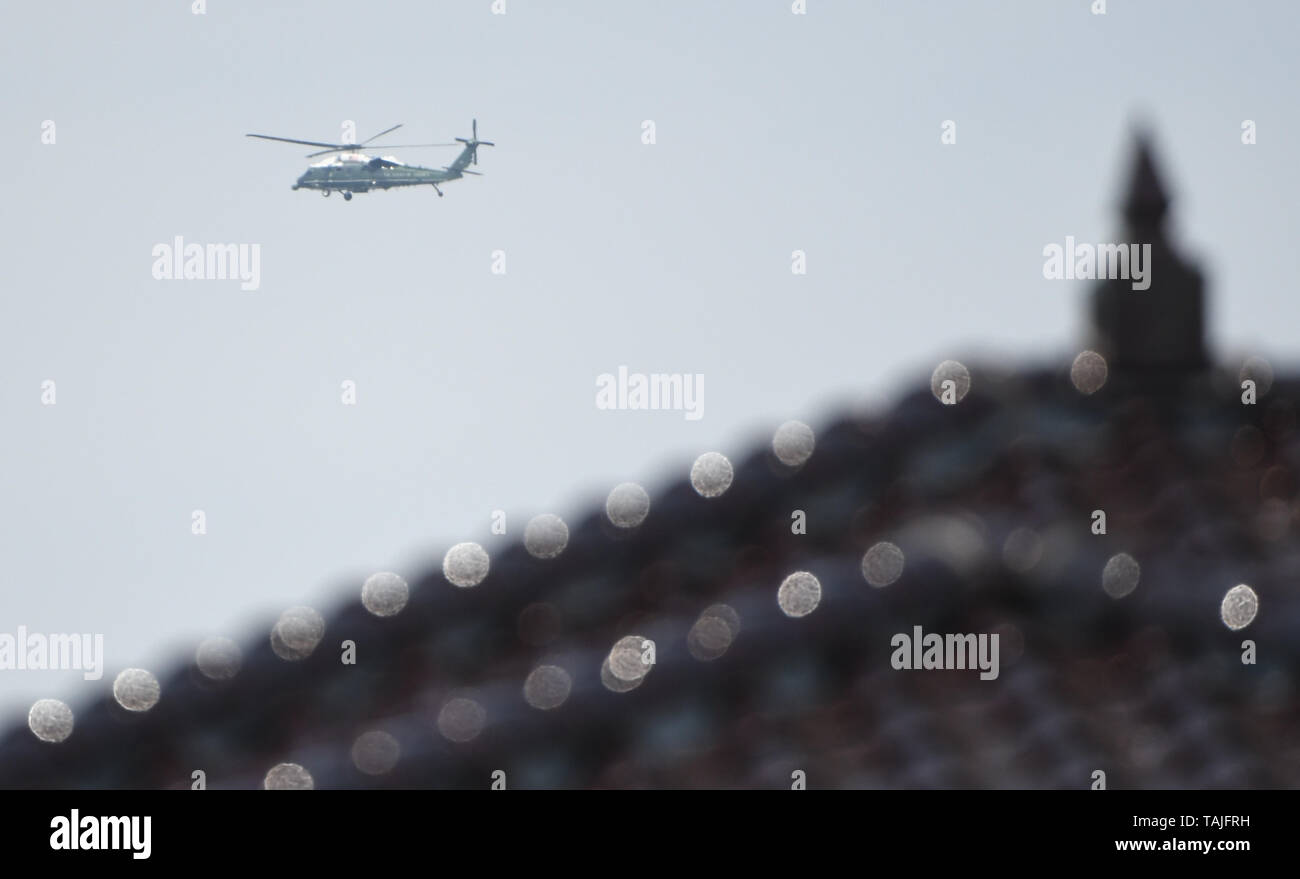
point(476, 391)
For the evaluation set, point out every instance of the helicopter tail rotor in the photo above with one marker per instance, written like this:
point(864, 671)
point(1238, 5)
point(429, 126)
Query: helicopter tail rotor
point(473, 143)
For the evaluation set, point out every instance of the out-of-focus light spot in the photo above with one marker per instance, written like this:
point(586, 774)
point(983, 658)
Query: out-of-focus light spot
point(793, 443)
point(136, 690)
point(1277, 482)
point(1239, 607)
point(1120, 576)
point(547, 686)
point(1022, 549)
point(384, 594)
point(711, 474)
point(546, 536)
point(713, 632)
point(1248, 446)
point(627, 505)
point(218, 659)
point(50, 720)
point(709, 638)
point(950, 370)
point(958, 540)
point(1011, 643)
point(297, 633)
point(1061, 546)
point(539, 624)
point(375, 752)
point(465, 565)
point(1088, 373)
point(627, 658)
point(882, 564)
point(461, 719)
point(727, 614)
point(288, 776)
point(614, 683)
point(799, 595)
point(1258, 370)
point(1148, 746)
point(1273, 520)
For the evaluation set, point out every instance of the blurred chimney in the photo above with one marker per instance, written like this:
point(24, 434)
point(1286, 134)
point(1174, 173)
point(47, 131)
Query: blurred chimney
point(1158, 334)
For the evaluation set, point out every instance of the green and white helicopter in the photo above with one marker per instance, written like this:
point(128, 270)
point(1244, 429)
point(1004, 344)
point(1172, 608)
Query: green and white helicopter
point(348, 169)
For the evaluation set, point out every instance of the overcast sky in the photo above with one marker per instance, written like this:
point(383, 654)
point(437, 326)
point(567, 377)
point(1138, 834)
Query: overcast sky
point(476, 391)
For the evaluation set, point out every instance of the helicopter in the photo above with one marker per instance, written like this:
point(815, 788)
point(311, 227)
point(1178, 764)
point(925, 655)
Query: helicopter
point(348, 169)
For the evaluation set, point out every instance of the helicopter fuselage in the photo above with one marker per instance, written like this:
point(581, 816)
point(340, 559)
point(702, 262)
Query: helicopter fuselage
point(350, 170)
point(362, 174)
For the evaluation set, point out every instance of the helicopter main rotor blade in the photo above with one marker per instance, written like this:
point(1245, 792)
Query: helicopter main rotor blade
point(292, 140)
point(357, 148)
point(407, 146)
point(381, 134)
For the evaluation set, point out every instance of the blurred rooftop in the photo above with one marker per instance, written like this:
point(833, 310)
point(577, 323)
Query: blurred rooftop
point(989, 502)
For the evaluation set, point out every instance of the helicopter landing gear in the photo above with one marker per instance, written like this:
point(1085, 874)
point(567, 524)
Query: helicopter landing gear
point(325, 193)
point(347, 196)
point(437, 190)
